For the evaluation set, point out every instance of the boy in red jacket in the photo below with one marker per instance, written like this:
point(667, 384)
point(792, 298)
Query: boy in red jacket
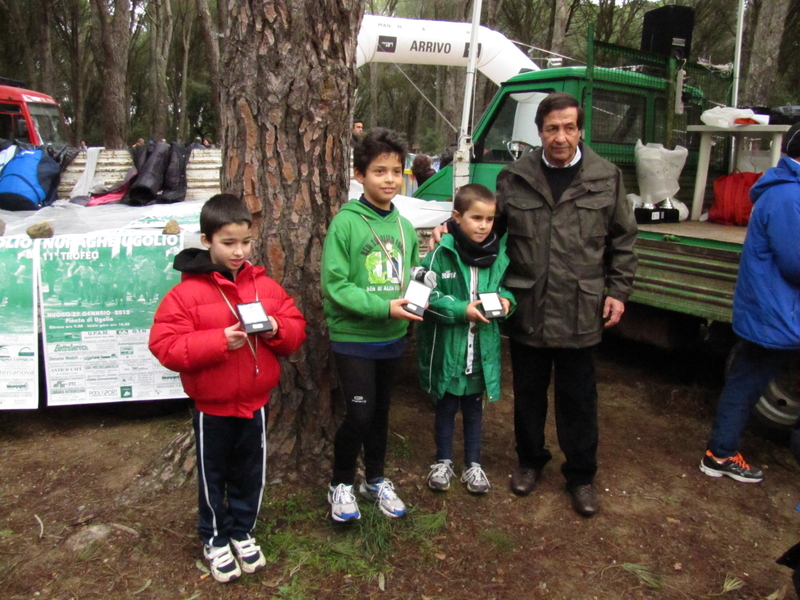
point(229, 375)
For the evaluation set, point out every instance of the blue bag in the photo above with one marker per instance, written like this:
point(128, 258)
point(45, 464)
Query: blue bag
point(29, 181)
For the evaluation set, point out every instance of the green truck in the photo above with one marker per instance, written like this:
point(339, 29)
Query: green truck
point(687, 271)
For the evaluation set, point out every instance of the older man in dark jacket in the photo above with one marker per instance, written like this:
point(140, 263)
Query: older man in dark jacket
point(571, 233)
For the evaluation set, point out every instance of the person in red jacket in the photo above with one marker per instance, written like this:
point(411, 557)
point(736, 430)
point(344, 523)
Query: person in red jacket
point(228, 373)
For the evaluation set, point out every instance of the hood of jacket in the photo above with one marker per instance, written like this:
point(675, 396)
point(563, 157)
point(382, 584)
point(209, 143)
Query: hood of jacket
point(196, 261)
point(787, 171)
point(355, 205)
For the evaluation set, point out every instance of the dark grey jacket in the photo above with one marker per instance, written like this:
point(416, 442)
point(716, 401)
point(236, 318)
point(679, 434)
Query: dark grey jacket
point(566, 256)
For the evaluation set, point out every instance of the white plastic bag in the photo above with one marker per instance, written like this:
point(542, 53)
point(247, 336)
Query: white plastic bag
point(658, 170)
point(724, 116)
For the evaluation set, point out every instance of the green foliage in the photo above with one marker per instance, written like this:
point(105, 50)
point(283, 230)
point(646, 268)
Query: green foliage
point(77, 53)
point(298, 536)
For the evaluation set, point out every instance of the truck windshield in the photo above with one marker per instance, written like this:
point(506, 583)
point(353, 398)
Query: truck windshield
point(514, 128)
point(48, 123)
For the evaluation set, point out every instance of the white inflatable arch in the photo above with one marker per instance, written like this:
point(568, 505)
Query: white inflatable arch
point(393, 40)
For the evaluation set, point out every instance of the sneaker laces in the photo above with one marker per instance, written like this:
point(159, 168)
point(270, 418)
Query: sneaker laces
point(343, 494)
point(385, 490)
point(739, 460)
point(475, 476)
point(441, 469)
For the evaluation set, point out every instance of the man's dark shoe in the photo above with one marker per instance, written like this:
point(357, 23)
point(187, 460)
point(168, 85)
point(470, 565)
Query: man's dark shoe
point(523, 479)
point(584, 499)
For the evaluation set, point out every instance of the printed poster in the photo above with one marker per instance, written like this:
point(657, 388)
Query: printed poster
point(98, 294)
point(19, 351)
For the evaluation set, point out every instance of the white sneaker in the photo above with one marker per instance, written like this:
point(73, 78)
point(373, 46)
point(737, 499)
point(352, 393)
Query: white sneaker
point(439, 477)
point(383, 494)
point(476, 479)
point(221, 563)
point(250, 555)
point(343, 503)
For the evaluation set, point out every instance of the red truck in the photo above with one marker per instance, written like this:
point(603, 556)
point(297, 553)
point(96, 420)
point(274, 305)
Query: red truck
point(30, 117)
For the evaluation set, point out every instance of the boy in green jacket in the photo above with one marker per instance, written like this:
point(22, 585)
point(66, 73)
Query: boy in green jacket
point(366, 263)
point(457, 345)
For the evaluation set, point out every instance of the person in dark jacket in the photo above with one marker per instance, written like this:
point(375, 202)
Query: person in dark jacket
point(421, 168)
point(571, 232)
point(766, 311)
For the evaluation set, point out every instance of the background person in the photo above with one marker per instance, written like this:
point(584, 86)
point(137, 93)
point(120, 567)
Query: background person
point(766, 311)
point(421, 168)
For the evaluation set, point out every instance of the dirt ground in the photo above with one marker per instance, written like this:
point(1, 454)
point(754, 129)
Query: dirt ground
point(665, 530)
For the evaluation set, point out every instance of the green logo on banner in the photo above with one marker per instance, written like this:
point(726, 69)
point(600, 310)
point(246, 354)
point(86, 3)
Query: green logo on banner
point(126, 391)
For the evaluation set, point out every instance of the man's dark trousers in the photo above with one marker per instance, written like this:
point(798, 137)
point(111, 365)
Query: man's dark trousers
point(575, 408)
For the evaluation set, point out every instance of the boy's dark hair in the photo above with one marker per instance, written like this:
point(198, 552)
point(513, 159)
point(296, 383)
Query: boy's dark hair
point(557, 101)
point(375, 142)
point(221, 210)
point(468, 194)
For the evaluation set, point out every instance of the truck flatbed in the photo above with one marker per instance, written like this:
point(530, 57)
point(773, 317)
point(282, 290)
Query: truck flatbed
point(702, 230)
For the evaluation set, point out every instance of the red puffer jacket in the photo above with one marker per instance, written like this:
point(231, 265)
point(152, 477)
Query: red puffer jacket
point(188, 337)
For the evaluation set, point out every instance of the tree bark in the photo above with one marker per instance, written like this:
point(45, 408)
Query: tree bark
point(159, 14)
point(209, 33)
point(766, 47)
point(287, 79)
point(115, 33)
point(560, 20)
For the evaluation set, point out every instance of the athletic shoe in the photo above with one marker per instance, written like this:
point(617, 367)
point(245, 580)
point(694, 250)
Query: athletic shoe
point(250, 555)
point(734, 467)
point(383, 494)
point(476, 480)
point(222, 564)
point(439, 477)
point(343, 503)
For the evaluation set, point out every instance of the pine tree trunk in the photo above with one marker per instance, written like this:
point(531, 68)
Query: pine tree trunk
point(287, 78)
point(115, 34)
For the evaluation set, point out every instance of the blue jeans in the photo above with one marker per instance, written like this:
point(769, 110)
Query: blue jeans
point(444, 424)
point(751, 369)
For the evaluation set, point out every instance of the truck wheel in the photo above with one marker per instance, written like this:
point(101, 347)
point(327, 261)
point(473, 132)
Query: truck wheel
point(777, 408)
point(778, 404)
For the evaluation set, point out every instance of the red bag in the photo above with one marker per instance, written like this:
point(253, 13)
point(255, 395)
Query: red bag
point(732, 203)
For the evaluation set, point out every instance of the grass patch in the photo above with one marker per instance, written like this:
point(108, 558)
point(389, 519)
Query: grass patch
point(298, 538)
point(496, 538)
point(644, 573)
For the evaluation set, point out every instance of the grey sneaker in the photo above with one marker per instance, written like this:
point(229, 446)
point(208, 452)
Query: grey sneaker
point(221, 563)
point(383, 494)
point(439, 477)
point(476, 480)
point(250, 556)
point(343, 503)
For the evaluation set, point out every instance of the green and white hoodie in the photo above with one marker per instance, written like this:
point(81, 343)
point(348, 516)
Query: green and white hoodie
point(366, 262)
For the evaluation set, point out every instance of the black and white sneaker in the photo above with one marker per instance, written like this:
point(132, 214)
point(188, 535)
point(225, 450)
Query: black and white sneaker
point(250, 555)
point(734, 467)
point(221, 563)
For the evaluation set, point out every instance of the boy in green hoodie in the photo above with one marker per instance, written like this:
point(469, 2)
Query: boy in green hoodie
point(366, 264)
point(458, 347)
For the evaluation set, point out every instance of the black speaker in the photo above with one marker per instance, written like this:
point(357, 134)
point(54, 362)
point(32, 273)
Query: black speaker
point(668, 31)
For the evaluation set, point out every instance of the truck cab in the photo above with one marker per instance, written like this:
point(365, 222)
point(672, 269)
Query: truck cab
point(621, 107)
point(28, 117)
